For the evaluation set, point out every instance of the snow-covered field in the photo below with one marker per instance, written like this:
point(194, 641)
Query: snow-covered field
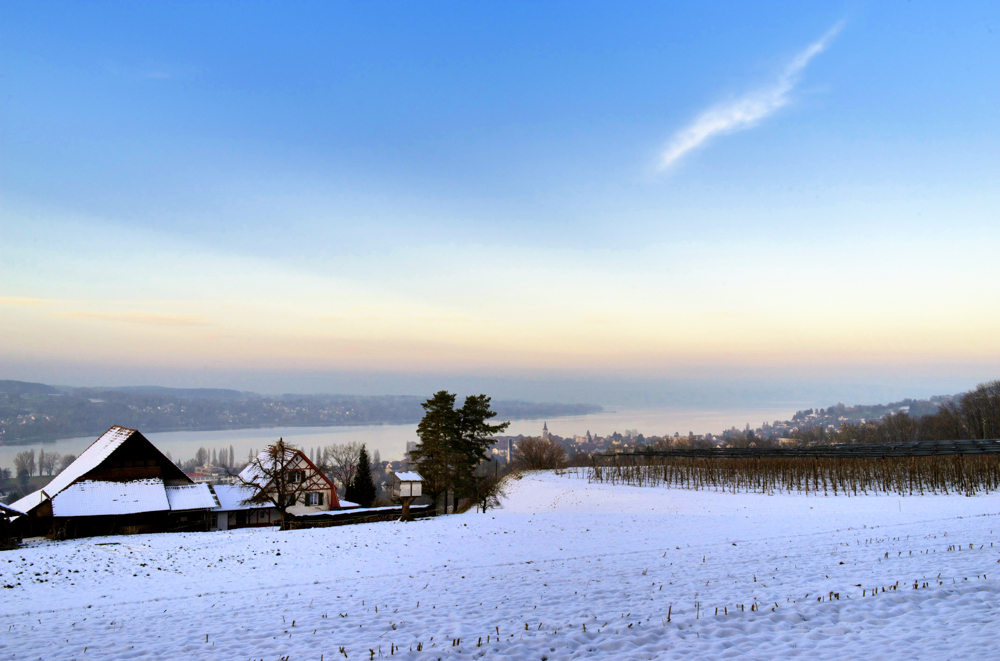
point(567, 569)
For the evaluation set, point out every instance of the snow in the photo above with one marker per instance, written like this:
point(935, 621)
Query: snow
point(231, 497)
point(561, 556)
point(10, 511)
point(409, 476)
point(253, 473)
point(191, 497)
point(93, 498)
point(88, 460)
point(354, 511)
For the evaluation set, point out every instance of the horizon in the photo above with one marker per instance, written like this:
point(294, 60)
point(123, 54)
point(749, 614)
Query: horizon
point(652, 205)
point(689, 395)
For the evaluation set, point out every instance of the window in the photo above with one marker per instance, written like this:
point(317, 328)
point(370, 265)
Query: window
point(315, 498)
point(215, 520)
point(296, 476)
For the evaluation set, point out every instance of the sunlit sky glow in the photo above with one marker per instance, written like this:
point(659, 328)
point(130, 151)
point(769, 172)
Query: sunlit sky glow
point(219, 194)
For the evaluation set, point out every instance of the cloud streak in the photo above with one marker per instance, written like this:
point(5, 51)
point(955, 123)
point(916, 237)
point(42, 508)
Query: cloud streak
point(15, 301)
point(747, 110)
point(145, 318)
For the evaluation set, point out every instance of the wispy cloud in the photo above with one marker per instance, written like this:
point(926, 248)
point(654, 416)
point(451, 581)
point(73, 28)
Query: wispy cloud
point(747, 110)
point(23, 302)
point(146, 318)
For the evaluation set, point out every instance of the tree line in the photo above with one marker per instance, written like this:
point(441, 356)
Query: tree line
point(973, 415)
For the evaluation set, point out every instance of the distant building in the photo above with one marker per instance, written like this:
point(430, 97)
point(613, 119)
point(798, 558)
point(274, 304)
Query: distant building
point(545, 431)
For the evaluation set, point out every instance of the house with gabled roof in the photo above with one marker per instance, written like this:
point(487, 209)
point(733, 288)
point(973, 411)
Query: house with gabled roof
point(317, 492)
point(121, 484)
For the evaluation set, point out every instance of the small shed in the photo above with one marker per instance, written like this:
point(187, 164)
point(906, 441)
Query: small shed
point(235, 512)
point(406, 484)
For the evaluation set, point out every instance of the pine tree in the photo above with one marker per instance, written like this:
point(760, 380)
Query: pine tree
point(437, 431)
point(453, 443)
point(361, 490)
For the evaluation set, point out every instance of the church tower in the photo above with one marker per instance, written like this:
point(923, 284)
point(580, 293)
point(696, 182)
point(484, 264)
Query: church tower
point(545, 431)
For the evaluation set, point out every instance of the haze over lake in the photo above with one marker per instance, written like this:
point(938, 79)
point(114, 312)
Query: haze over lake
point(390, 440)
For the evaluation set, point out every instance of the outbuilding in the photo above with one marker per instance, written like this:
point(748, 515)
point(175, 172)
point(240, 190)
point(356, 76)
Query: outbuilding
point(8, 537)
point(235, 510)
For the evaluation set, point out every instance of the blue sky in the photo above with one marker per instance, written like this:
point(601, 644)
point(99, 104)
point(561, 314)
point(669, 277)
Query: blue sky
point(288, 195)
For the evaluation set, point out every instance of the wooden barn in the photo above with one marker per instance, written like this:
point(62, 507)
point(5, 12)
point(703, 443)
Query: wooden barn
point(9, 538)
point(121, 484)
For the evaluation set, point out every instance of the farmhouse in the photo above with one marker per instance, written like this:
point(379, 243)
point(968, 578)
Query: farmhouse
point(283, 473)
point(120, 484)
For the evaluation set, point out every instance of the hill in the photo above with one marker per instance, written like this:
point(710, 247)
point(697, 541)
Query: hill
point(36, 412)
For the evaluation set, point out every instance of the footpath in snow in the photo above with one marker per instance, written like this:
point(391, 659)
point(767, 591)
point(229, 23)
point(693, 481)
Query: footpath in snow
point(565, 570)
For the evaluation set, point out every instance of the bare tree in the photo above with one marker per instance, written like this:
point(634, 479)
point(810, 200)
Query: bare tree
point(201, 456)
point(536, 454)
point(276, 476)
point(66, 460)
point(340, 461)
point(981, 410)
point(47, 462)
point(490, 485)
point(24, 462)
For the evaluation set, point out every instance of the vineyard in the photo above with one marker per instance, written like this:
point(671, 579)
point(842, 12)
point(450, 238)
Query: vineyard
point(853, 475)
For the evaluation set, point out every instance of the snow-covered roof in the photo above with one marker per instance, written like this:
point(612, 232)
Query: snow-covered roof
point(231, 497)
point(191, 497)
point(10, 511)
point(346, 504)
point(252, 472)
point(94, 498)
point(31, 501)
point(409, 476)
point(88, 460)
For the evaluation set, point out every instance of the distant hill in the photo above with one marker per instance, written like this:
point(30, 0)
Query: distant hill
point(30, 412)
point(26, 388)
point(184, 393)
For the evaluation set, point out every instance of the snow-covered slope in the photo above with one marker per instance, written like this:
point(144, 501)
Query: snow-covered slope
point(567, 569)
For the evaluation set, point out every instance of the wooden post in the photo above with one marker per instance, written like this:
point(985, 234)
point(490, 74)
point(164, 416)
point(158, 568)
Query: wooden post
point(405, 516)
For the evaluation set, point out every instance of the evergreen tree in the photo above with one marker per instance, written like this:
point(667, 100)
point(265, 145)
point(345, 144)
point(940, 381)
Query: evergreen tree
point(361, 490)
point(453, 443)
point(437, 431)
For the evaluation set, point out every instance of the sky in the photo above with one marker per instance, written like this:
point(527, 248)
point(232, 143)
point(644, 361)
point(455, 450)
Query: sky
point(605, 202)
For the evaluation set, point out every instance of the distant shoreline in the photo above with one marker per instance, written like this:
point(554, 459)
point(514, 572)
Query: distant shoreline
point(152, 430)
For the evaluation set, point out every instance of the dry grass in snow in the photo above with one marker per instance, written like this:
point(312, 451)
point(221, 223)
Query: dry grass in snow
point(566, 570)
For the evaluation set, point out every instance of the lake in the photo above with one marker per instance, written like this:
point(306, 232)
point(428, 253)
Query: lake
point(390, 440)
